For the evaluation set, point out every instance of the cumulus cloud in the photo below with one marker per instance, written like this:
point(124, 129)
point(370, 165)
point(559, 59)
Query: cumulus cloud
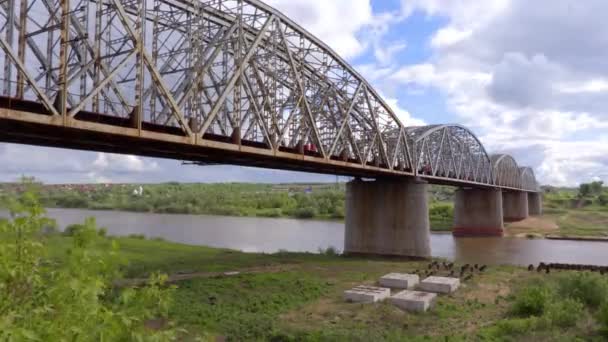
point(319, 18)
point(119, 163)
point(530, 78)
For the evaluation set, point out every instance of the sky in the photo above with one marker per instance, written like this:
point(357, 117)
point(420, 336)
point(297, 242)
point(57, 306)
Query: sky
point(530, 78)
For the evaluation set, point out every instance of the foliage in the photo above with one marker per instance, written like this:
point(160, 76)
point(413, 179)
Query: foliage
point(563, 302)
point(532, 301)
point(602, 318)
point(565, 313)
point(329, 251)
point(46, 300)
point(594, 188)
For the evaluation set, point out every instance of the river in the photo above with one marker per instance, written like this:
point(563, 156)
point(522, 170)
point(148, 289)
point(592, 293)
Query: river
point(252, 234)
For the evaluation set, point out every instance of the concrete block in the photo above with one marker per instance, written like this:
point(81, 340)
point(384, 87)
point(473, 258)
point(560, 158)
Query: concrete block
point(366, 294)
point(439, 284)
point(416, 301)
point(399, 280)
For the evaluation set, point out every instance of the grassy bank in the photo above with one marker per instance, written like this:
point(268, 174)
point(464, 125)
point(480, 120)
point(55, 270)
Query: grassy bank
point(298, 297)
point(84, 285)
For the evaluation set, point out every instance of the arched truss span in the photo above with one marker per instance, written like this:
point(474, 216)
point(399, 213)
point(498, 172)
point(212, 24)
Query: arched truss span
point(220, 68)
point(450, 151)
point(206, 77)
point(528, 179)
point(505, 171)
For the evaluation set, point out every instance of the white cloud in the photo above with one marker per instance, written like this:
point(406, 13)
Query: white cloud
point(448, 36)
point(404, 116)
point(319, 17)
point(590, 86)
point(530, 79)
point(119, 163)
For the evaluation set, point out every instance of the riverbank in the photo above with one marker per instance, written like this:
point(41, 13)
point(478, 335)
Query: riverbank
point(299, 201)
point(572, 224)
point(291, 296)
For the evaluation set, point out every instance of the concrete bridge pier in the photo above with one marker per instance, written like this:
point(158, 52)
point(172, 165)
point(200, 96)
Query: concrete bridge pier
point(387, 217)
point(515, 205)
point(535, 203)
point(478, 213)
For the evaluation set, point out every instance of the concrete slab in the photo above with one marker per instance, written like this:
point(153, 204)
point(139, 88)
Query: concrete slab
point(439, 284)
point(399, 280)
point(366, 294)
point(416, 301)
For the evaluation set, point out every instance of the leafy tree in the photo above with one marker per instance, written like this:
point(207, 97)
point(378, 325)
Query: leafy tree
point(584, 190)
point(73, 300)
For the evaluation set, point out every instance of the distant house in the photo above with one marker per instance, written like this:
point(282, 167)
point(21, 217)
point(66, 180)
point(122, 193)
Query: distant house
point(139, 191)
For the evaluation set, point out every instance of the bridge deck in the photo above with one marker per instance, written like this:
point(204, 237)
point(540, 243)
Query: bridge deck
point(27, 122)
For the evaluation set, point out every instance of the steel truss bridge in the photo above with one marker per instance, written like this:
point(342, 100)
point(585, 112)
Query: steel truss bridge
point(215, 81)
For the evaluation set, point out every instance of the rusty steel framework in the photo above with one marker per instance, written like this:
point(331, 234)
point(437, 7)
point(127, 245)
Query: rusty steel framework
point(230, 81)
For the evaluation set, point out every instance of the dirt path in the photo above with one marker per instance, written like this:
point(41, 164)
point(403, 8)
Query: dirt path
point(174, 278)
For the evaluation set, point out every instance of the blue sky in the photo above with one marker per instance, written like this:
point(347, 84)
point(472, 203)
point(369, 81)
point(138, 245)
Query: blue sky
point(530, 78)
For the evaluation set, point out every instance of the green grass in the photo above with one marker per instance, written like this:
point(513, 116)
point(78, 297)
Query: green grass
point(245, 307)
point(586, 222)
point(298, 297)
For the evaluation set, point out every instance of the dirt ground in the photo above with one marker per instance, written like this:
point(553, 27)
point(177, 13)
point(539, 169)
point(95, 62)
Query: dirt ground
point(539, 226)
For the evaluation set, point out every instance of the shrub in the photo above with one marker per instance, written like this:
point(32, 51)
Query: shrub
point(329, 251)
point(137, 236)
point(272, 212)
point(443, 211)
point(602, 318)
point(565, 313)
point(72, 229)
point(603, 199)
point(305, 213)
point(532, 301)
point(73, 300)
point(588, 288)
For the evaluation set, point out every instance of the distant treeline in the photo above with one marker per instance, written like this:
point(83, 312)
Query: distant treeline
point(592, 195)
point(314, 201)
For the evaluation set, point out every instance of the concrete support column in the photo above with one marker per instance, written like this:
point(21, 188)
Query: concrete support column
point(535, 203)
point(515, 205)
point(478, 212)
point(387, 217)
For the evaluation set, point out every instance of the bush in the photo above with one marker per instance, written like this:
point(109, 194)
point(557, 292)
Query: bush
point(602, 318)
point(329, 251)
point(137, 236)
point(273, 212)
point(565, 313)
point(305, 213)
point(72, 229)
point(590, 289)
point(443, 211)
point(532, 301)
point(73, 300)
